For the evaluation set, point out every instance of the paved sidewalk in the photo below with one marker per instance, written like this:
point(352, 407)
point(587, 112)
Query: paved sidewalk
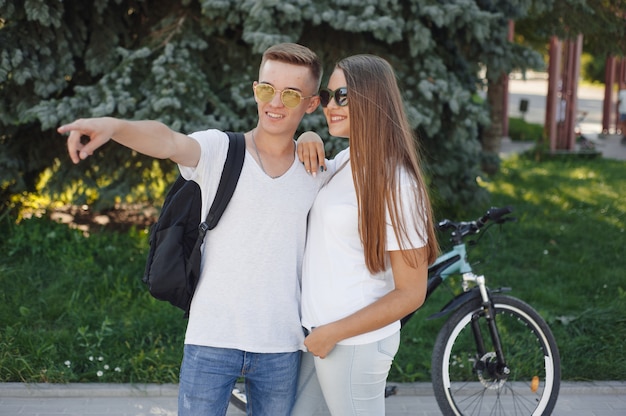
point(600, 398)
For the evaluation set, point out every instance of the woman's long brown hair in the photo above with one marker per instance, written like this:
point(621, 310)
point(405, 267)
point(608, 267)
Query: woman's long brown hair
point(382, 142)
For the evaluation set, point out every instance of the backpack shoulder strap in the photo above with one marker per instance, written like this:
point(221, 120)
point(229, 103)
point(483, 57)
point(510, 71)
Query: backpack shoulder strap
point(228, 182)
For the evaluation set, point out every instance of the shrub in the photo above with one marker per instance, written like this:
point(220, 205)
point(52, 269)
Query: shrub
point(520, 130)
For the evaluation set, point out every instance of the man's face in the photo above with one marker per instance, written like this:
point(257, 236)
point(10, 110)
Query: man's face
point(274, 116)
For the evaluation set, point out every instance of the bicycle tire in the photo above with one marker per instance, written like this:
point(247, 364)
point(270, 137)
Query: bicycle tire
point(238, 399)
point(462, 382)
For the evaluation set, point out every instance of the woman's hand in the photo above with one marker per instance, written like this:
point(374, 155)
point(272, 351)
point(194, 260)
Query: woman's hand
point(311, 152)
point(321, 341)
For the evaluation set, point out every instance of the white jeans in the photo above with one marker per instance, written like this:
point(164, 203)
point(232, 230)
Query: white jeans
point(350, 381)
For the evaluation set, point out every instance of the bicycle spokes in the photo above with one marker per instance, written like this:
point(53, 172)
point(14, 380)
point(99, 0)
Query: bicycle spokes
point(469, 382)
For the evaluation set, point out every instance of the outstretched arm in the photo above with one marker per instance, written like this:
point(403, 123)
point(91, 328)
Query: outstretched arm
point(148, 137)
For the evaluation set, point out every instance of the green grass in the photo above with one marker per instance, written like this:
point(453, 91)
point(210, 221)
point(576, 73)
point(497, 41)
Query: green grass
point(73, 308)
point(521, 130)
point(564, 256)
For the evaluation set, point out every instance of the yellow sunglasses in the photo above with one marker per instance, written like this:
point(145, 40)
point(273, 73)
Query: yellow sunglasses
point(290, 98)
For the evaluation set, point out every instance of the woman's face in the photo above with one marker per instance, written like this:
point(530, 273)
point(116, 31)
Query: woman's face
point(337, 117)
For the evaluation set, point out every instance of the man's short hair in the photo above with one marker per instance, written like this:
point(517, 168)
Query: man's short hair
point(295, 54)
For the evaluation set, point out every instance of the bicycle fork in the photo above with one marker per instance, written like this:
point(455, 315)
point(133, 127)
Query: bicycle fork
point(484, 359)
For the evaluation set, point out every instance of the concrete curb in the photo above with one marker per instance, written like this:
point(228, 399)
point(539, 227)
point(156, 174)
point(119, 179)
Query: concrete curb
point(31, 390)
point(87, 390)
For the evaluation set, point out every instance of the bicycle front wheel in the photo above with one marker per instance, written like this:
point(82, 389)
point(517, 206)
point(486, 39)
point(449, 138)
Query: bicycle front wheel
point(467, 382)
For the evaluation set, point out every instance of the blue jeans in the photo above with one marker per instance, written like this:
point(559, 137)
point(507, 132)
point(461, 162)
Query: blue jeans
point(208, 375)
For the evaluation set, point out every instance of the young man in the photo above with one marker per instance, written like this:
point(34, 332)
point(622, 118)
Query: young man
point(244, 319)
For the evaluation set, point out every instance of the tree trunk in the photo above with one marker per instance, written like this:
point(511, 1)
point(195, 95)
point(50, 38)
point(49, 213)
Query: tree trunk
point(492, 137)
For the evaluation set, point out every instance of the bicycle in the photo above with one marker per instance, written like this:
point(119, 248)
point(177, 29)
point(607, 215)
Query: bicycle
point(495, 354)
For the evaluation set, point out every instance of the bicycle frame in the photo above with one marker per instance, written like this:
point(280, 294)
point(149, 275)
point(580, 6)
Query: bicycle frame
point(454, 262)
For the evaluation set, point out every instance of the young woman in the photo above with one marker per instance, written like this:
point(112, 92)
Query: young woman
point(369, 243)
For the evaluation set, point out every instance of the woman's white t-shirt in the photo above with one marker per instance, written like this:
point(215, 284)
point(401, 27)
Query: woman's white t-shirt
point(335, 280)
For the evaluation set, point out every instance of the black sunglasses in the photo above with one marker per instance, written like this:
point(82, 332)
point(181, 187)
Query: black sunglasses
point(340, 95)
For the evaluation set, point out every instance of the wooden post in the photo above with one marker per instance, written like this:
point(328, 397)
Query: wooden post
point(554, 65)
point(607, 104)
point(621, 84)
point(564, 94)
point(565, 138)
point(576, 49)
point(505, 86)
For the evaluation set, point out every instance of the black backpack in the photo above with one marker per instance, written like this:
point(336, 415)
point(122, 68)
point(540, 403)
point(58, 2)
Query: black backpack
point(173, 265)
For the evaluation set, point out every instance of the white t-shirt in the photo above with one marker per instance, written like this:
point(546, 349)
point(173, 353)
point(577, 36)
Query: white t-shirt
point(248, 296)
point(335, 280)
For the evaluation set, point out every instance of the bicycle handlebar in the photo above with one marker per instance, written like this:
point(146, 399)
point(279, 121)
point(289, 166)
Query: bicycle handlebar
point(462, 229)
